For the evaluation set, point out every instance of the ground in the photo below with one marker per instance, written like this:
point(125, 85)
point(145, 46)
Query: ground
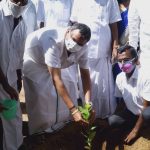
point(71, 137)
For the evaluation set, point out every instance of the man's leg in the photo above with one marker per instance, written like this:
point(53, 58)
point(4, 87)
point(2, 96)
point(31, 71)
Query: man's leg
point(146, 115)
point(122, 118)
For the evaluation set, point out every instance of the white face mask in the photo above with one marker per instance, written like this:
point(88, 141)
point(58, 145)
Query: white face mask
point(16, 10)
point(72, 46)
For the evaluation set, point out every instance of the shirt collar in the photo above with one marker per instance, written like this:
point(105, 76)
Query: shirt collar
point(135, 73)
point(6, 10)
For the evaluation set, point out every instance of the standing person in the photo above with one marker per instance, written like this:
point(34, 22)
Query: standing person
point(52, 12)
point(47, 99)
point(12, 39)
point(139, 31)
point(123, 30)
point(102, 17)
point(133, 85)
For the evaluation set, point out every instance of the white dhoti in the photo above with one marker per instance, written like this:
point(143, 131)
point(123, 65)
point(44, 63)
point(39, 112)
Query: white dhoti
point(12, 129)
point(102, 87)
point(44, 107)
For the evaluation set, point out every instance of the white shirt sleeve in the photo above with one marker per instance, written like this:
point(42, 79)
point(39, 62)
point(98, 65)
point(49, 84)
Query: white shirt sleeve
point(52, 53)
point(114, 13)
point(134, 24)
point(146, 90)
point(118, 88)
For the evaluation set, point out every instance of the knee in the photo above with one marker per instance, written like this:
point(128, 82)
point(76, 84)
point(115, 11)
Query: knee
point(146, 114)
point(114, 121)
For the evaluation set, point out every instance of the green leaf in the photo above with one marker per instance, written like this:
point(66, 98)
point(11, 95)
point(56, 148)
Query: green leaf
point(93, 128)
point(86, 147)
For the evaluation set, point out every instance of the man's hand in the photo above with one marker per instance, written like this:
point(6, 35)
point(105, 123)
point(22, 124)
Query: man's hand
point(11, 91)
point(2, 108)
point(114, 55)
point(76, 114)
point(132, 135)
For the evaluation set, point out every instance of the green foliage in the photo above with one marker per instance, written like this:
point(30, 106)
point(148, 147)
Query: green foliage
point(90, 132)
point(85, 111)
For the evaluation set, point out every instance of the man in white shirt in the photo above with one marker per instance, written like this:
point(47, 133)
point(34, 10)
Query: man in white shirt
point(139, 31)
point(133, 85)
point(12, 39)
point(47, 99)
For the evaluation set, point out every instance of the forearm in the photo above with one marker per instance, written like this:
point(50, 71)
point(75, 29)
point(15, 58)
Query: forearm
point(114, 33)
point(138, 124)
point(86, 82)
point(62, 91)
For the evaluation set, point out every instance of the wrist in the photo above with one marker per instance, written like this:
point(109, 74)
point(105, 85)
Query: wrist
point(89, 103)
point(73, 112)
point(72, 109)
point(135, 131)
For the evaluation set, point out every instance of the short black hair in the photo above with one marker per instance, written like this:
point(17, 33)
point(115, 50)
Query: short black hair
point(121, 1)
point(129, 48)
point(84, 30)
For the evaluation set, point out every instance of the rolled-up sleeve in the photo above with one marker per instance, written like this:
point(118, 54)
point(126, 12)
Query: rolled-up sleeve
point(118, 88)
point(134, 24)
point(52, 53)
point(146, 90)
point(114, 12)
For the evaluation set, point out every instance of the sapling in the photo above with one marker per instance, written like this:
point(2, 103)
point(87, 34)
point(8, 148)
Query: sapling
point(90, 131)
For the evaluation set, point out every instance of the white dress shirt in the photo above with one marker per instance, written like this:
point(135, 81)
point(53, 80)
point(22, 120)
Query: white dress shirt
point(134, 90)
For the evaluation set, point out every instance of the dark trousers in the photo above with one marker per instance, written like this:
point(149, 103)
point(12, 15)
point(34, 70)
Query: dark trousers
point(123, 118)
point(126, 117)
point(146, 115)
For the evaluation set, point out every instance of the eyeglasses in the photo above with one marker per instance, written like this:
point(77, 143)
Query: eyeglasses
point(124, 61)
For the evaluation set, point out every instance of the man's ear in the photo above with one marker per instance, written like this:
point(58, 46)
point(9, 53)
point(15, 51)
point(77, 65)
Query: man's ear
point(137, 62)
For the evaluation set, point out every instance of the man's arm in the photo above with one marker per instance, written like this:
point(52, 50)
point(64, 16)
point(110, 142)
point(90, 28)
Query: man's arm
point(86, 82)
point(62, 91)
point(11, 91)
point(114, 32)
point(134, 132)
